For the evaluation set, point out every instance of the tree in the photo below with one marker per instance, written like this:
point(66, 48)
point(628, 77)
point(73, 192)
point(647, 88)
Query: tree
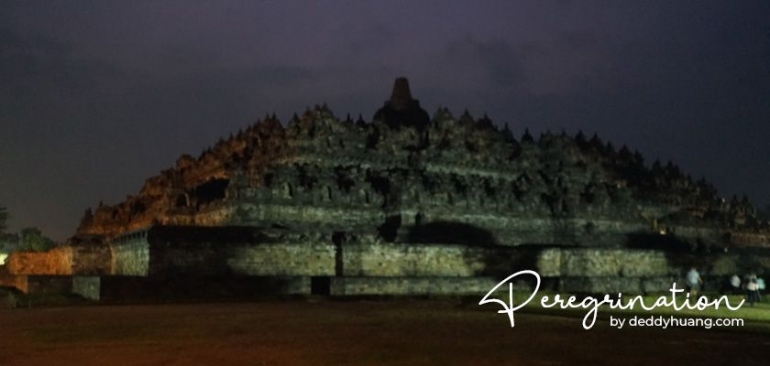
point(32, 239)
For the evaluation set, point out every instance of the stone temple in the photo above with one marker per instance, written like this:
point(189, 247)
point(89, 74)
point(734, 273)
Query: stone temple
point(406, 204)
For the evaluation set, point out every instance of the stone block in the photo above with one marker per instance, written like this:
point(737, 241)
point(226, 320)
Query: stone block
point(411, 286)
point(89, 287)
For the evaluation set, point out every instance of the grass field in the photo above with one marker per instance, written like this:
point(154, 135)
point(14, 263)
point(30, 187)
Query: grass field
point(388, 332)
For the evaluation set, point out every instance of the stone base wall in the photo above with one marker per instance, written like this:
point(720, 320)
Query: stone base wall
point(283, 259)
point(89, 287)
point(479, 286)
point(18, 282)
point(132, 288)
point(131, 258)
point(91, 260)
point(141, 258)
point(49, 284)
point(603, 263)
point(412, 286)
point(606, 263)
point(614, 285)
point(259, 262)
point(57, 261)
point(411, 260)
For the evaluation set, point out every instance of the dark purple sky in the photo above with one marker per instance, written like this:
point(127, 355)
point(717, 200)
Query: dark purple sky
point(97, 96)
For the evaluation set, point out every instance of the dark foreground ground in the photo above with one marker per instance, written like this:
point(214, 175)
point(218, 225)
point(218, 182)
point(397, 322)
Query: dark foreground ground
point(301, 332)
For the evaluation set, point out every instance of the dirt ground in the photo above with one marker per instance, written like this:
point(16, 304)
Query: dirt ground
point(394, 332)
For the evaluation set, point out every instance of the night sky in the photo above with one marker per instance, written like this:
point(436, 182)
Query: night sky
point(97, 96)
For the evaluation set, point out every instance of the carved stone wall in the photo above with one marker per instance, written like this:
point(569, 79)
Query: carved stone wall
point(411, 286)
point(57, 261)
point(131, 257)
point(410, 260)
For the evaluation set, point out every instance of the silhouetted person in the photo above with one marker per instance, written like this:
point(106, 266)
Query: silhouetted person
point(735, 284)
point(760, 288)
point(752, 291)
point(694, 281)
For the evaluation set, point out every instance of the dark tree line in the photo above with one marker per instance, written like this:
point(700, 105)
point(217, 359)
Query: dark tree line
point(28, 239)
